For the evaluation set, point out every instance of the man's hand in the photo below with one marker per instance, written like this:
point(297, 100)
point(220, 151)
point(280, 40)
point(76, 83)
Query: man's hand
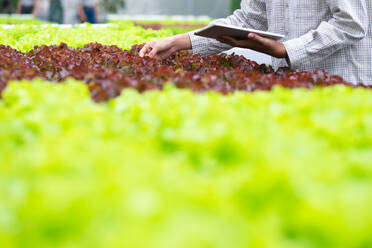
point(163, 48)
point(257, 43)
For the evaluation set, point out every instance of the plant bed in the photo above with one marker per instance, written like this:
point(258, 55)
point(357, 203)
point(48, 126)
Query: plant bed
point(125, 35)
point(171, 168)
point(108, 70)
point(17, 20)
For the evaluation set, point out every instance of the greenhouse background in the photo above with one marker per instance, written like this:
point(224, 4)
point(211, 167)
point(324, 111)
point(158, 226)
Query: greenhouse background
point(212, 8)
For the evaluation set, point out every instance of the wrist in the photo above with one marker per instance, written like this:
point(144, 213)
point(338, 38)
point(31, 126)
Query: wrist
point(280, 52)
point(284, 53)
point(181, 42)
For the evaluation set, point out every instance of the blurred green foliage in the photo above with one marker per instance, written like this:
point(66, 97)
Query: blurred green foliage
point(235, 4)
point(112, 6)
point(288, 168)
point(125, 35)
point(12, 2)
point(9, 20)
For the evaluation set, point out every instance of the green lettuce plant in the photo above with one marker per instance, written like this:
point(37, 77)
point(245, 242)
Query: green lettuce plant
point(287, 168)
point(125, 35)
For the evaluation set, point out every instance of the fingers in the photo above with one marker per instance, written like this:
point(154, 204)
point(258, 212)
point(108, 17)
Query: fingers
point(228, 40)
point(157, 50)
point(151, 49)
point(225, 41)
point(154, 52)
point(268, 46)
point(258, 38)
point(237, 43)
point(257, 43)
point(145, 50)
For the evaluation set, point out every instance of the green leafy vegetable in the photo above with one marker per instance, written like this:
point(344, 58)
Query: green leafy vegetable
point(287, 168)
point(10, 20)
point(24, 38)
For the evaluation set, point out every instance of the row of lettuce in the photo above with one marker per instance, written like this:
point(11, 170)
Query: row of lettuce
point(25, 37)
point(178, 169)
point(172, 25)
point(123, 33)
point(171, 168)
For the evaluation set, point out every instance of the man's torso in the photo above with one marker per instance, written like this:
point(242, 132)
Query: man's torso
point(295, 18)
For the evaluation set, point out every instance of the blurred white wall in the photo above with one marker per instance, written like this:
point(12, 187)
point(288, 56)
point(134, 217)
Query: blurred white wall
point(212, 8)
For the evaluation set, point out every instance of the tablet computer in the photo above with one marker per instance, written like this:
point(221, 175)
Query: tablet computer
point(217, 30)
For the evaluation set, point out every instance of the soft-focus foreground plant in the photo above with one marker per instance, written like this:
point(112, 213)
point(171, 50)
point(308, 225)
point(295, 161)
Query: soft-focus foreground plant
point(171, 168)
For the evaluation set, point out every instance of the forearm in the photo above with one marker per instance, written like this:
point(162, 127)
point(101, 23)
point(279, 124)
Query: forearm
point(181, 42)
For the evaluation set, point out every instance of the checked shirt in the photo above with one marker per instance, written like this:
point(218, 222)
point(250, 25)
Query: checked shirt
point(333, 35)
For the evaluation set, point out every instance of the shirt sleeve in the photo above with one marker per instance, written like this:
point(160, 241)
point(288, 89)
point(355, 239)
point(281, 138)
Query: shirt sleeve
point(251, 15)
point(348, 25)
